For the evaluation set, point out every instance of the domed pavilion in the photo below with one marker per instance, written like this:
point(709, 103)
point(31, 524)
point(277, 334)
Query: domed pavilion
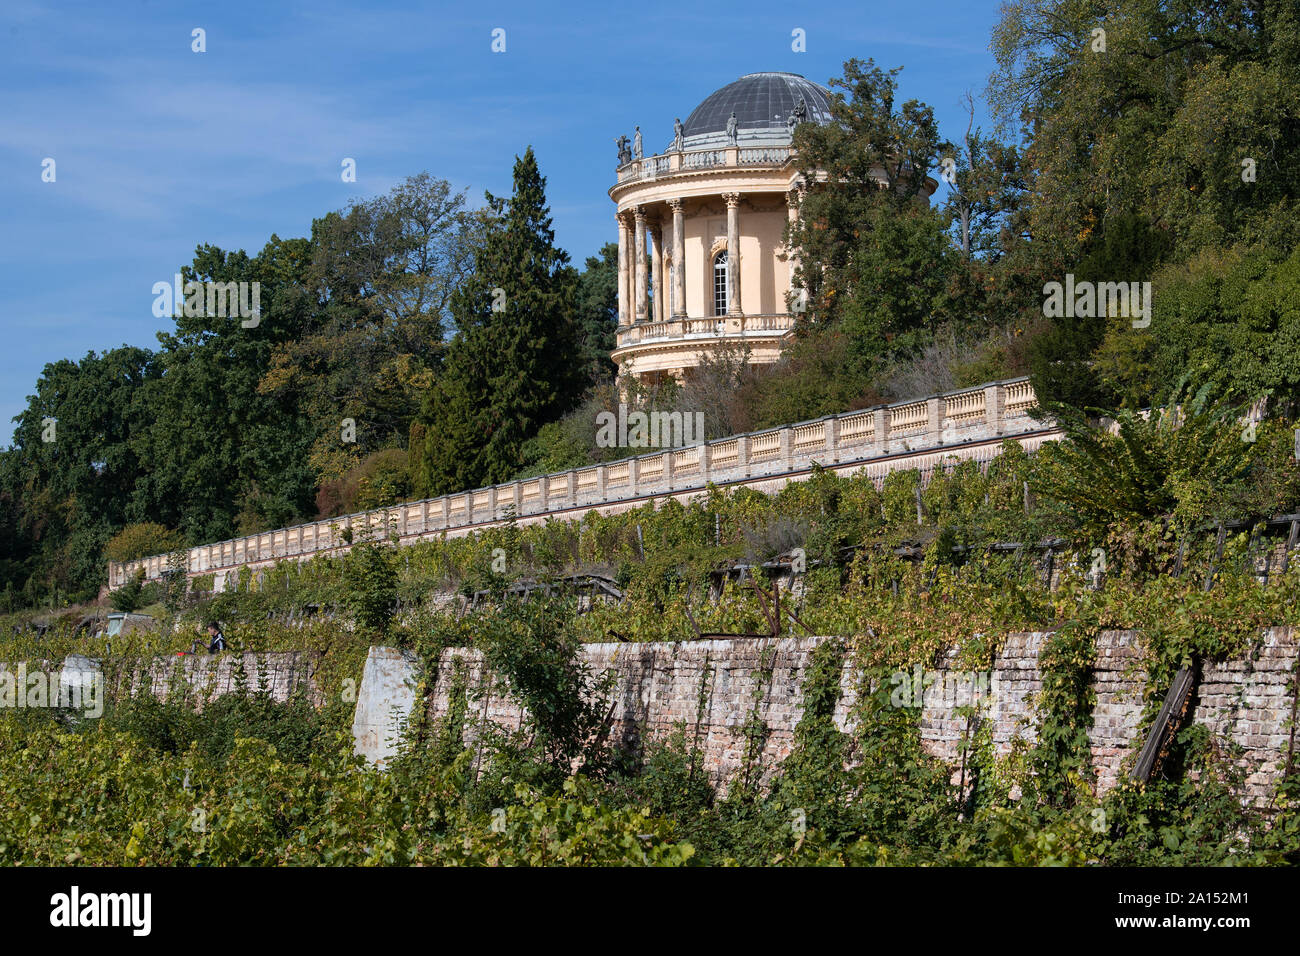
point(701, 224)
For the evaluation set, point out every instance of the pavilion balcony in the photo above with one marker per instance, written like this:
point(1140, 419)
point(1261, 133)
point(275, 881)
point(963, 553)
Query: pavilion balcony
point(719, 327)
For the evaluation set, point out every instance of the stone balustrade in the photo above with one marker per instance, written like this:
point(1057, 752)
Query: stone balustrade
point(715, 327)
point(967, 424)
point(666, 164)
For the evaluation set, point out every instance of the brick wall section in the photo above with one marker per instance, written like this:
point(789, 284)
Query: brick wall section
point(209, 676)
point(658, 686)
point(1250, 702)
point(202, 678)
point(1006, 697)
point(206, 677)
point(1247, 702)
point(1119, 681)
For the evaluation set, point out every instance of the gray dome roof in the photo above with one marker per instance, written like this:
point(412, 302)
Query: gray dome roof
point(762, 103)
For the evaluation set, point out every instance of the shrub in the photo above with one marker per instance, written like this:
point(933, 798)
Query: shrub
point(129, 596)
point(142, 540)
point(370, 585)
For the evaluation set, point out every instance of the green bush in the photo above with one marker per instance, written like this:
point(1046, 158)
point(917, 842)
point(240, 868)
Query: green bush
point(142, 540)
point(370, 584)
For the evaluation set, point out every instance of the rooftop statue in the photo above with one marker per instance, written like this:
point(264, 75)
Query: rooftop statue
point(636, 143)
point(677, 135)
point(624, 150)
point(797, 115)
point(731, 128)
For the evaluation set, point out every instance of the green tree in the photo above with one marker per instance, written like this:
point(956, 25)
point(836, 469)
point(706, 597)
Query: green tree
point(598, 314)
point(1061, 359)
point(510, 368)
point(140, 540)
point(1154, 118)
point(224, 458)
point(1230, 317)
point(370, 584)
point(384, 271)
point(874, 256)
point(989, 185)
point(69, 478)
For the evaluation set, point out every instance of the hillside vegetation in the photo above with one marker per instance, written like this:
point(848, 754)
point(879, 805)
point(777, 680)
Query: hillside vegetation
point(250, 781)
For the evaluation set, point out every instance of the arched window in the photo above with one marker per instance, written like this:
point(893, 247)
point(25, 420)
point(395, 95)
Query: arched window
point(720, 284)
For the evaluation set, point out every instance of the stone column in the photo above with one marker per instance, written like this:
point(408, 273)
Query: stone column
point(657, 271)
point(934, 416)
point(679, 259)
point(733, 252)
point(880, 419)
point(624, 313)
point(639, 265)
point(995, 397)
point(792, 199)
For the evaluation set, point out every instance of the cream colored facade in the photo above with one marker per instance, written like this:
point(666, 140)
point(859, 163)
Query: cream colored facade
point(702, 256)
point(686, 210)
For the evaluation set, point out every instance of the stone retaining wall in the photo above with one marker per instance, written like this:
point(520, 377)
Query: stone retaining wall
point(710, 689)
point(200, 677)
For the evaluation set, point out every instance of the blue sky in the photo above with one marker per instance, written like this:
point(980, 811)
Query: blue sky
point(159, 149)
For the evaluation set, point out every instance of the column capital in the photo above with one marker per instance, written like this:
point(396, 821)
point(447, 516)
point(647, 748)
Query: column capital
point(638, 213)
point(675, 205)
point(732, 199)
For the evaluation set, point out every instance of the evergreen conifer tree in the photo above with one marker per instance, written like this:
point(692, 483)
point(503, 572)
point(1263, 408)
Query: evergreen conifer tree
point(513, 365)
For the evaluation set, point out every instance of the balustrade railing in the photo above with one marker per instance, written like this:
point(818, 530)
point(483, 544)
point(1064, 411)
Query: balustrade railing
point(720, 327)
point(907, 418)
point(775, 155)
point(873, 438)
point(664, 164)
